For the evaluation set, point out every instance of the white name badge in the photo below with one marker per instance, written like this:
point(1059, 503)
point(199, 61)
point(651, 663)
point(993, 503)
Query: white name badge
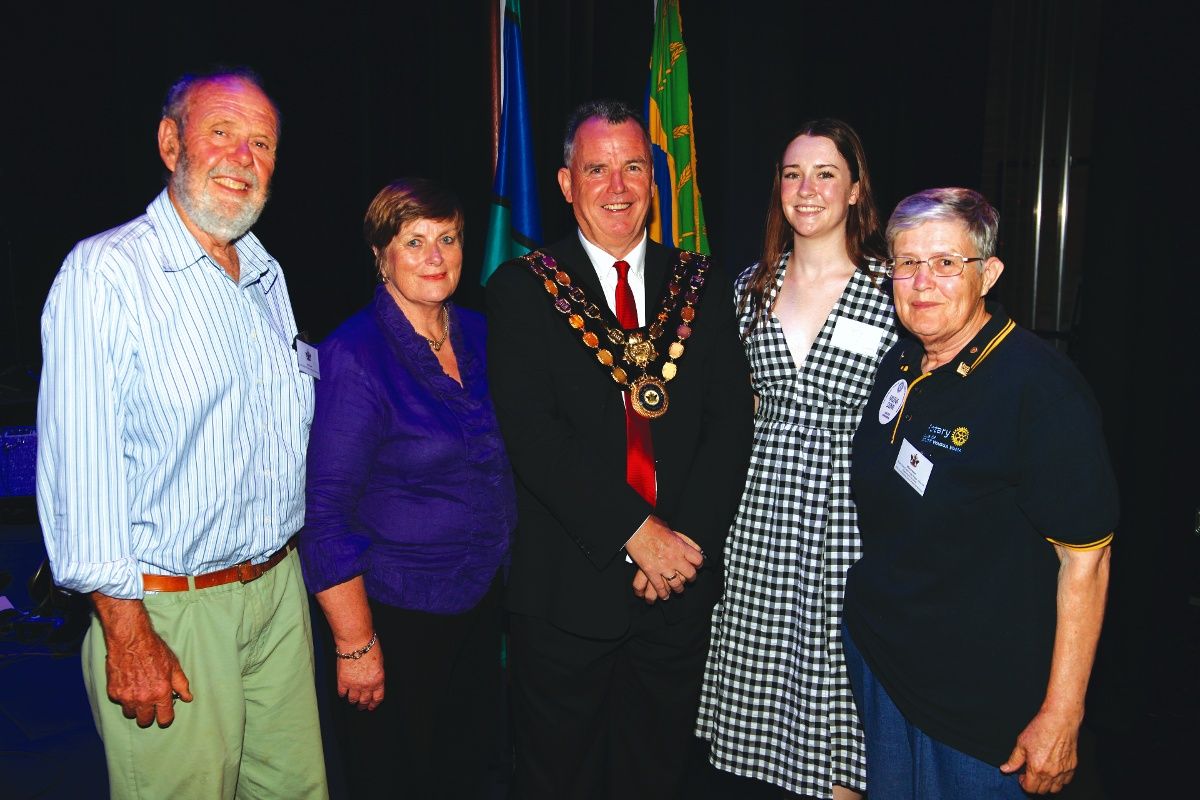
point(893, 401)
point(914, 466)
point(307, 360)
point(857, 337)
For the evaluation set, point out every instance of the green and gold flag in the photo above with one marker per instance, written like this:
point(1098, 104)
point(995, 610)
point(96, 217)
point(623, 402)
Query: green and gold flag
point(676, 215)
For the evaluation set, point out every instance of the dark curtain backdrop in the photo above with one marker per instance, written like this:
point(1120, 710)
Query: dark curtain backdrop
point(1137, 346)
point(371, 91)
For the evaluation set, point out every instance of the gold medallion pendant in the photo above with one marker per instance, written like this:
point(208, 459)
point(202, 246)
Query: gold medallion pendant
point(640, 350)
point(632, 350)
point(648, 396)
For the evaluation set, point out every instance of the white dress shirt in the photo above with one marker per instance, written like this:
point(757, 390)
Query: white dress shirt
point(603, 262)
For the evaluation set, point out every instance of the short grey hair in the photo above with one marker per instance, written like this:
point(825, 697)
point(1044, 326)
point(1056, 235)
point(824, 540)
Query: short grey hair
point(614, 112)
point(949, 204)
point(175, 105)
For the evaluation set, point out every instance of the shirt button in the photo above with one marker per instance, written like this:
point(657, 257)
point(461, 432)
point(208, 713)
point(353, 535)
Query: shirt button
point(907, 417)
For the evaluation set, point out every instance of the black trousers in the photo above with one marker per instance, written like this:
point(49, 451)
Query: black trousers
point(435, 735)
point(598, 718)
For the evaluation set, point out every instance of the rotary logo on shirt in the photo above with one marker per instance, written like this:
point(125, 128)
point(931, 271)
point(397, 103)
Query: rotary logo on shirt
point(947, 438)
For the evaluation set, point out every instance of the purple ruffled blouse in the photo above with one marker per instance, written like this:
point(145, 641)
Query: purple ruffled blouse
point(408, 481)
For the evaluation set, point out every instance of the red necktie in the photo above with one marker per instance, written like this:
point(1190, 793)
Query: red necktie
point(639, 449)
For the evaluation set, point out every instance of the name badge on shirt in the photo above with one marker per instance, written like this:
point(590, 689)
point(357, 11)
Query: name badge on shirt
point(307, 360)
point(857, 337)
point(914, 466)
point(893, 401)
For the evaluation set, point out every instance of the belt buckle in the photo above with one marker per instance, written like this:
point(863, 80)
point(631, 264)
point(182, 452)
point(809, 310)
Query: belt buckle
point(246, 573)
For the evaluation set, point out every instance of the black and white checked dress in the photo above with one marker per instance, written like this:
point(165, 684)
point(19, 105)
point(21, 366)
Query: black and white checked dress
point(776, 703)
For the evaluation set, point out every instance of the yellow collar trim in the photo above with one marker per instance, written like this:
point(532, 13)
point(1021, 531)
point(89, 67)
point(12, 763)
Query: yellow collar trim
point(965, 369)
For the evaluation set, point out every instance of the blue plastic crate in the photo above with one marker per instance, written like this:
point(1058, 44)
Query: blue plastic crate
point(18, 461)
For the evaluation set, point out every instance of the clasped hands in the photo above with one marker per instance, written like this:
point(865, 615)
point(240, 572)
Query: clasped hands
point(667, 560)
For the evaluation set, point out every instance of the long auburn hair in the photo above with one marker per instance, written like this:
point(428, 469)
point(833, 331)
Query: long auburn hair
point(864, 238)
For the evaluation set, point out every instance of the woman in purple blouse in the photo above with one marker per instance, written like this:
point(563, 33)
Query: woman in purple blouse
point(410, 509)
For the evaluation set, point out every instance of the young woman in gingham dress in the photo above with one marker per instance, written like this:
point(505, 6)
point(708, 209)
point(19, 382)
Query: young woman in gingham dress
point(776, 704)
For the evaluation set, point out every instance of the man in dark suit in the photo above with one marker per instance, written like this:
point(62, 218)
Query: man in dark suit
point(624, 398)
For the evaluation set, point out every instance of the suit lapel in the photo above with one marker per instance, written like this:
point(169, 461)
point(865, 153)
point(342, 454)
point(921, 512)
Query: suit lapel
point(657, 264)
point(574, 259)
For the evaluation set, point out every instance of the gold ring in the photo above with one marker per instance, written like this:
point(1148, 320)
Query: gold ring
point(673, 576)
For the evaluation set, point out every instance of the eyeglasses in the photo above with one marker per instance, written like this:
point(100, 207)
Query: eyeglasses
point(946, 265)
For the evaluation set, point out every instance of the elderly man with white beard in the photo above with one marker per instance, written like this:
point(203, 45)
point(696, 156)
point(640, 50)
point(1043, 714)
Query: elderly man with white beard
point(173, 420)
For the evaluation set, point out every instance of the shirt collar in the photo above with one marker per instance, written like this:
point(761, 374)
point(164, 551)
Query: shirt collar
point(181, 250)
point(966, 360)
point(602, 261)
point(389, 313)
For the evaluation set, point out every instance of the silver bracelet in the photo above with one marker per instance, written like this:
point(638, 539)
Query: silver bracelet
point(360, 652)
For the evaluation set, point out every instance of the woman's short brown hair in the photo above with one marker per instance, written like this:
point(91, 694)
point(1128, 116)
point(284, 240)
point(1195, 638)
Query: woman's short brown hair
point(402, 201)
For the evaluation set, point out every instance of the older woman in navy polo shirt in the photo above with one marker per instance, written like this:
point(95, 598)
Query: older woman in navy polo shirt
point(410, 509)
point(986, 504)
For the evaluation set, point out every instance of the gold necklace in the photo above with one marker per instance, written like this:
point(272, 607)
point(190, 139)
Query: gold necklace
point(635, 348)
point(436, 344)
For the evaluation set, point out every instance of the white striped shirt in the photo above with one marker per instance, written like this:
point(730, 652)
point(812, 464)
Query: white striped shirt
point(172, 419)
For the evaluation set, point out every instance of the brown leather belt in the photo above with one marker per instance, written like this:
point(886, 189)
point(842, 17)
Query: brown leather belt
point(243, 572)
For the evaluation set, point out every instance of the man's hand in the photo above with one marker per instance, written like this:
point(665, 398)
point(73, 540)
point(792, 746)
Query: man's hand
point(144, 676)
point(643, 589)
point(1047, 748)
point(667, 561)
point(360, 680)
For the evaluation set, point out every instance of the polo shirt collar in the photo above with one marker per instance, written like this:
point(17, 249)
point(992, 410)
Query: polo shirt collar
point(181, 250)
point(966, 360)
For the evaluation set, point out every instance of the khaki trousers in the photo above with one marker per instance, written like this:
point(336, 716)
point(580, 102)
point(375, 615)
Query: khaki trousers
point(251, 730)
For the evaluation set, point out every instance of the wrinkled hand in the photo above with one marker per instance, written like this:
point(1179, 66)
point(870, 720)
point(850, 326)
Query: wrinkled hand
point(667, 560)
point(143, 673)
point(1047, 748)
point(360, 680)
point(643, 589)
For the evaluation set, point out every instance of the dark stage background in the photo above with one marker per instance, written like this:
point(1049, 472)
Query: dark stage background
point(940, 92)
point(372, 91)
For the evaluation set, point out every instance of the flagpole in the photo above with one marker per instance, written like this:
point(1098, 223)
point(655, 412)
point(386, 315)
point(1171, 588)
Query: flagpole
point(495, 29)
point(514, 221)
